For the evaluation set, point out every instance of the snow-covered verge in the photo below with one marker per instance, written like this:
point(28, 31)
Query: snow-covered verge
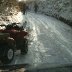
point(61, 9)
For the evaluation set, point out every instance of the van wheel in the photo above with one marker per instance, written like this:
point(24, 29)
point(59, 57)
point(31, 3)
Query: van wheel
point(24, 48)
point(24, 51)
point(8, 55)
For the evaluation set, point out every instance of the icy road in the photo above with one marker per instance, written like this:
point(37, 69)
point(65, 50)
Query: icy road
point(51, 41)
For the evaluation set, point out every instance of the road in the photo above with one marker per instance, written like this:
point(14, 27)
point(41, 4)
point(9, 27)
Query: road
point(51, 41)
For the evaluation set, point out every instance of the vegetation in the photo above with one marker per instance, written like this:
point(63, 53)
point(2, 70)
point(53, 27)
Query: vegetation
point(9, 7)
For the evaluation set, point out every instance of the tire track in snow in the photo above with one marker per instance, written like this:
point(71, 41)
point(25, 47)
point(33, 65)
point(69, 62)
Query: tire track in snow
point(43, 22)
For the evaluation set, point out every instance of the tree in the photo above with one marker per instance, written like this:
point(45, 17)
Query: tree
point(9, 7)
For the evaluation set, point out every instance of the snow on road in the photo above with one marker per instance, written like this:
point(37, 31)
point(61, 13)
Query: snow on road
point(51, 41)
